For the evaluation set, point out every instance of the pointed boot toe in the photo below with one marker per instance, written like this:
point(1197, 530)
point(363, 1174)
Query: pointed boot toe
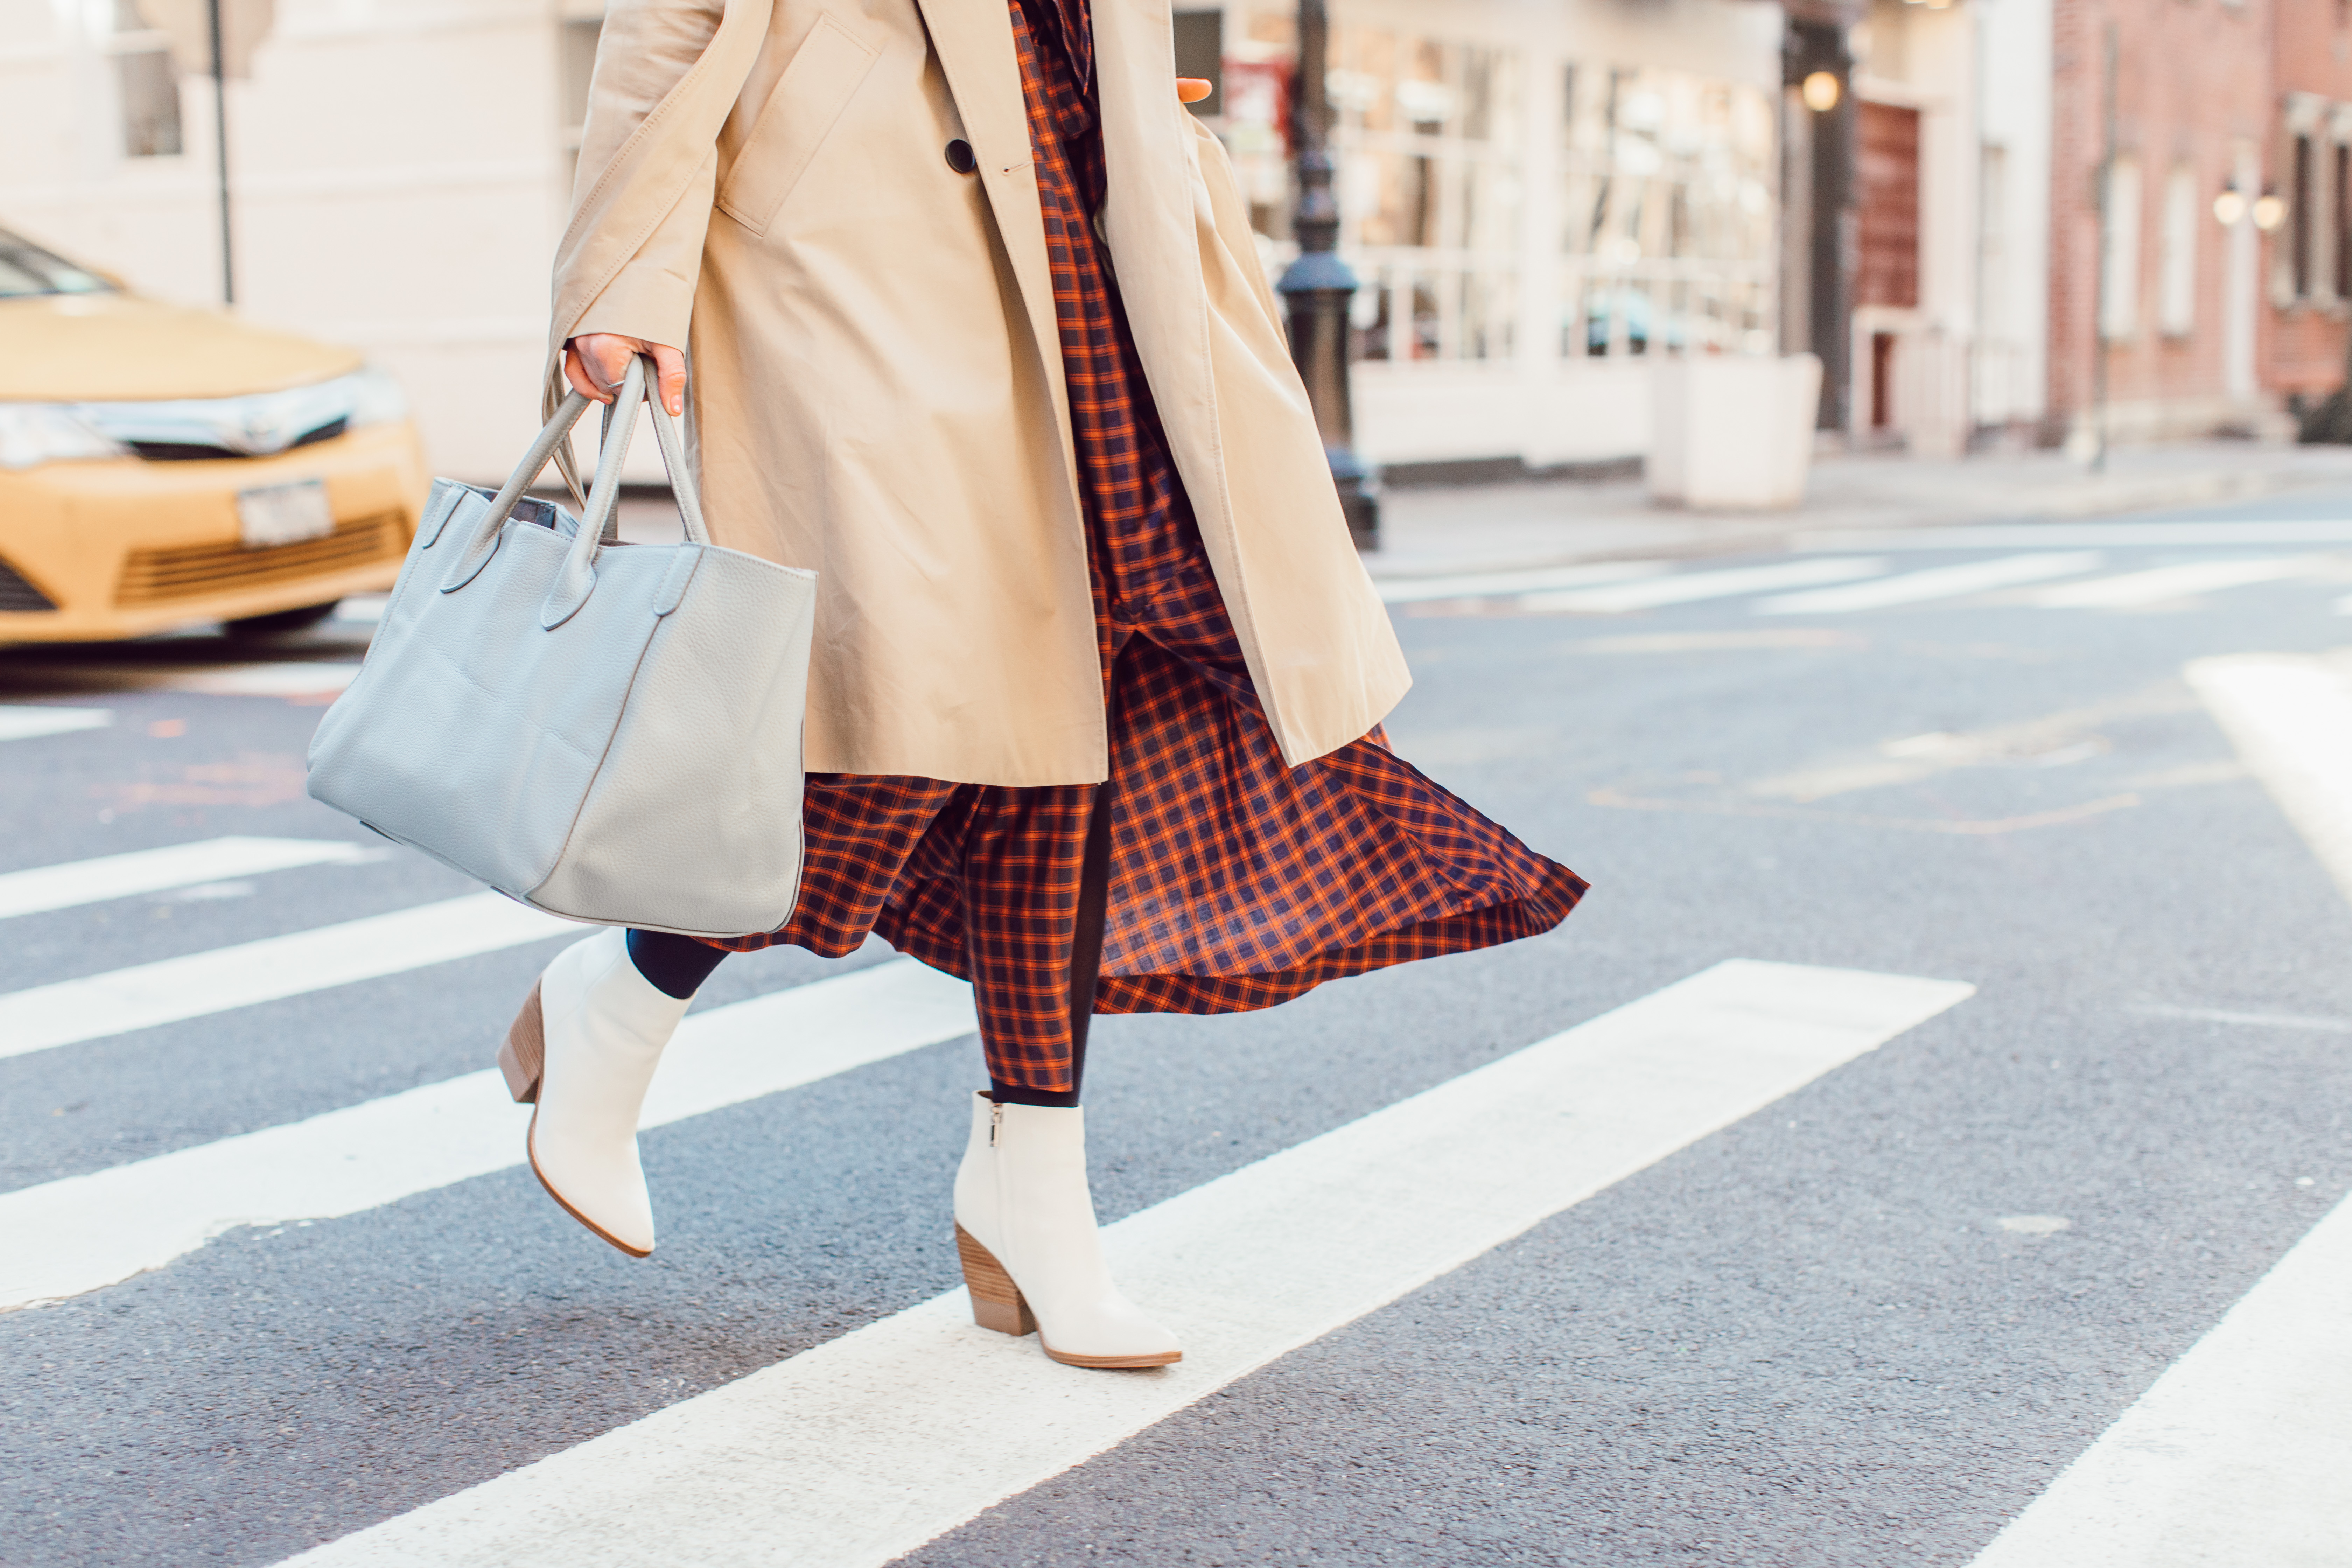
point(601, 1187)
point(584, 1050)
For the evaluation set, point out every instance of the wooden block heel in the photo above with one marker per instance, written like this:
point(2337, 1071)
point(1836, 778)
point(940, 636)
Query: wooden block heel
point(525, 1051)
point(996, 1301)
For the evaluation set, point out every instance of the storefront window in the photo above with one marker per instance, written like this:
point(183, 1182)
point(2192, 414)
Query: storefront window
point(1660, 236)
point(1426, 137)
point(147, 85)
point(1668, 236)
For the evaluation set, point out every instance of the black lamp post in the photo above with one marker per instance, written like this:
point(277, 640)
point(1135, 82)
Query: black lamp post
point(220, 149)
point(1318, 285)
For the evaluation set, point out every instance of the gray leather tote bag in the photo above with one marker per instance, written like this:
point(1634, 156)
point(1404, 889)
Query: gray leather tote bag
point(606, 731)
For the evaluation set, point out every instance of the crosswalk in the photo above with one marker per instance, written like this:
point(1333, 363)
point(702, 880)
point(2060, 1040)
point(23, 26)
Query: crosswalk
point(881, 1439)
point(1935, 582)
point(49, 888)
point(864, 1449)
point(2160, 584)
point(1819, 585)
point(171, 990)
point(26, 722)
point(2088, 568)
point(1692, 587)
point(81, 1234)
point(2238, 1454)
point(1273, 1256)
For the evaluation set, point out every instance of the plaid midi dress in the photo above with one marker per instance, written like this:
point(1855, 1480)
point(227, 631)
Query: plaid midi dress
point(1233, 882)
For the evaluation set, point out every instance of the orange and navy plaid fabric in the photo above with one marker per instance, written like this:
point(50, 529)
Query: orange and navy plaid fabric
point(1235, 882)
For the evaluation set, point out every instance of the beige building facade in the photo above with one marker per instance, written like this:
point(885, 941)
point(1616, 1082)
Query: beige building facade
point(399, 174)
point(1543, 196)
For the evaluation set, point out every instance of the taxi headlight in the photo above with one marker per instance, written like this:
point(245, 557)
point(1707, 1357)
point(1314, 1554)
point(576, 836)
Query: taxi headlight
point(376, 398)
point(32, 434)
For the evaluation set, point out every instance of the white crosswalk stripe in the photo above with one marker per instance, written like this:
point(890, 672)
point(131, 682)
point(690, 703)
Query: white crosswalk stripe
point(25, 722)
point(1823, 585)
point(47, 888)
point(78, 1234)
point(859, 1451)
point(1485, 585)
point(301, 680)
point(2239, 1452)
point(2290, 717)
point(1691, 587)
point(174, 989)
point(2159, 585)
point(304, 678)
point(1935, 582)
point(2259, 533)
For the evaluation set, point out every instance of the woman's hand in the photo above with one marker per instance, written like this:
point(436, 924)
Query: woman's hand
point(595, 363)
point(1193, 88)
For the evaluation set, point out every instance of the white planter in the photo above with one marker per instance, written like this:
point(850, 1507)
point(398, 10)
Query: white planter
point(1731, 433)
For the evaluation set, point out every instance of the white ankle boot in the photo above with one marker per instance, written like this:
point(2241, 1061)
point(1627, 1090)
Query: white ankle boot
point(1026, 1230)
point(584, 1050)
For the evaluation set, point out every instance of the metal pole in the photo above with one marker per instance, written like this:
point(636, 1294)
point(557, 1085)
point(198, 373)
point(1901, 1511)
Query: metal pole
point(1837, 237)
point(220, 149)
point(1318, 285)
point(2099, 294)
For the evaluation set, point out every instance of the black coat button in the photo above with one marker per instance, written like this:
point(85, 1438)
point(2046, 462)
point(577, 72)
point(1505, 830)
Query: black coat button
point(961, 157)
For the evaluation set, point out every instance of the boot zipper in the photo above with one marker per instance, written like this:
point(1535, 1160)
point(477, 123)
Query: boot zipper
point(995, 1122)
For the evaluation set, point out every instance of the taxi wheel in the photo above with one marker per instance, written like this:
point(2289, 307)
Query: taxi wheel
point(279, 621)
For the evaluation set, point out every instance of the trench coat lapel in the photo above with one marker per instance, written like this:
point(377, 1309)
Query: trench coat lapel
point(973, 40)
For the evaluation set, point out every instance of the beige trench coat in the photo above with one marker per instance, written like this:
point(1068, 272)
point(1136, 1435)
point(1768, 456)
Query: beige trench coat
point(875, 385)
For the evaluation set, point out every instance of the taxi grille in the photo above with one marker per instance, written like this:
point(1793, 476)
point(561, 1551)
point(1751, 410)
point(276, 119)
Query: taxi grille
point(183, 451)
point(157, 576)
point(20, 597)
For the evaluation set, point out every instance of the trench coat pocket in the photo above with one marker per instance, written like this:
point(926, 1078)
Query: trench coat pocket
point(825, 74)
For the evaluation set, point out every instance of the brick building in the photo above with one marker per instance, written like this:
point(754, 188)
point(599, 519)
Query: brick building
point(2310, 271)
point(2069, 220)
point(2175, 103)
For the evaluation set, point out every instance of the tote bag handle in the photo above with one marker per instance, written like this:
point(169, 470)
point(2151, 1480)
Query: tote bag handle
point(577, 579)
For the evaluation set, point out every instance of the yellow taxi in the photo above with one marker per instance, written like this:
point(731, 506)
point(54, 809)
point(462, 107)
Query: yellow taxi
point(161, 466)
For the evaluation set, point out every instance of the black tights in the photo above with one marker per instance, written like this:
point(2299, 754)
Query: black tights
point(673, 965)
point(677, 965)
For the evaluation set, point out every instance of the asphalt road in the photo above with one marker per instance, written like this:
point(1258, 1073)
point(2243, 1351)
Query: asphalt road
point(1805, 1339)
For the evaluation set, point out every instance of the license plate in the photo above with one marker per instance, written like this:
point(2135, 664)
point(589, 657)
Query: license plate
point(284, 514)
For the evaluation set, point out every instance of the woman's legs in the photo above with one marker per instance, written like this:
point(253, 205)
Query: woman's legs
point(582, 1051)
point(1037, 869)
point(1016, 858)
point(1022, 841)
point(674, 965)
point(1084, 964)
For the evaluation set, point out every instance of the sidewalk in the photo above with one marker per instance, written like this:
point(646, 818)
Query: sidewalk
point(1486, 527)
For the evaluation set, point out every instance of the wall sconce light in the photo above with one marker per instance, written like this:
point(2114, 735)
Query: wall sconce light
point(2230, 206)
point(1821, 92)
point(2270, 211)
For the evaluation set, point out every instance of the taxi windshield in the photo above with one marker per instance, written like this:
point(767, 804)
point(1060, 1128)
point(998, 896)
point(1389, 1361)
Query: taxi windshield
point(27, 270)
